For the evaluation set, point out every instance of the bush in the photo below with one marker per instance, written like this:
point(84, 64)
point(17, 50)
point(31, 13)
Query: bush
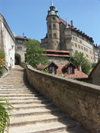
point(4, 117)
point(2, 62)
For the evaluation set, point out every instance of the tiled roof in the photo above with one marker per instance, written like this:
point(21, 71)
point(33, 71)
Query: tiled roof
point(41, 67)
point(75, 29)
point(58, 51)
point(56, 55)
point(77, 74)
point(19, 37)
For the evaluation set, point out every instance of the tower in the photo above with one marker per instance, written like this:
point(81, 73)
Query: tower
point(53, 28)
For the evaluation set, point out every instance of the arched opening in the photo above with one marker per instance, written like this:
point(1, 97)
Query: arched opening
point(17, 59)
point(54, 26)
point(54, 35)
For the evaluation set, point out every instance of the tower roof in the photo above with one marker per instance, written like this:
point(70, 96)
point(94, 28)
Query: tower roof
point(52, 10)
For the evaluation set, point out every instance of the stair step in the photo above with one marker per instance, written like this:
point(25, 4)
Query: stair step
point(34, 119)
point(26, 98)
point(35, 112)
point(19, 95)
point(39, 109)
point(27, 101)
point(43, 127)
point(26, 106)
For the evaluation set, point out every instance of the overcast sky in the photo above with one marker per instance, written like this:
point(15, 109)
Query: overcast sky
point(29, 16)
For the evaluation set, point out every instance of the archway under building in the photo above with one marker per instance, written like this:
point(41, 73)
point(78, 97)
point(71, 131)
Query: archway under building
point(17, 59)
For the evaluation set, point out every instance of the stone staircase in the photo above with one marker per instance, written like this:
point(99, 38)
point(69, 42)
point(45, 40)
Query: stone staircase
point(32, 112)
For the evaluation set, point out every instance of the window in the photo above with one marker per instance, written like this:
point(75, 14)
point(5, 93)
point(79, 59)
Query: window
point(70, 70)
point(82, 47)
point(49, 35)
point(54, 35)
point(52, 70)
point(87, 56)
point(53, 18)
point(80, 41)
point(79, 46)
point(68, 33)
point(19, 41)
point(54, 26)
point(49, 27)
point(75, 45)
point(19, 48)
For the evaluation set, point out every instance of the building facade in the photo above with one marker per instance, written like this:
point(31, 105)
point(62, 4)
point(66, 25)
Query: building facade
point(7, 42)
point(63, 36)
point(20, 49)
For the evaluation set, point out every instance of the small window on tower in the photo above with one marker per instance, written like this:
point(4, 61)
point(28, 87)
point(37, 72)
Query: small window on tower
point(49, 27)
point(49, 35)
point(53, 18)
point(54, 35)
point(54, 26)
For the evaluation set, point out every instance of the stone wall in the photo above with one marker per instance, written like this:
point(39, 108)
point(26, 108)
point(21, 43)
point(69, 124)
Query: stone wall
point(78, 99)
point(94, 76)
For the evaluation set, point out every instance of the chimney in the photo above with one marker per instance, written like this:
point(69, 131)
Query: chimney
point(23, 35)
point(80, 68)
point(72, 23)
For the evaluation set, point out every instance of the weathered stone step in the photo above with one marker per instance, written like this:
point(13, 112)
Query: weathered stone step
point(35, 112)
point(28, 110)
point(28, 106)
point(26, 98)
point(19, 95)
point(17, 92)
point(44, 127)
point(28, 101)
point(34, 119)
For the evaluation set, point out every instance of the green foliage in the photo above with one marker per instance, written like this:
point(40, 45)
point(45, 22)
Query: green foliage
point(46, 70)
point(79, 59)
point(53, 73)
point(2, 62)
point(1, 71)
point(93, 65)
point(63, 75)
point(34, 54)
point(2, 55)
point(4, 117)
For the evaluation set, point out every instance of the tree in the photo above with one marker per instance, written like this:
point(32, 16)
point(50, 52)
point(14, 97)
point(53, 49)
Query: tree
point(79, 59)
point(34, 54)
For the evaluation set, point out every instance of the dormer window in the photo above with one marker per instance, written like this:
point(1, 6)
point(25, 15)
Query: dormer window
point(70, 70)
point(52, 70)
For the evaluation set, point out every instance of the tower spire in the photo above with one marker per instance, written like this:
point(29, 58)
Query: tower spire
point(51, 3)
point(67, 25)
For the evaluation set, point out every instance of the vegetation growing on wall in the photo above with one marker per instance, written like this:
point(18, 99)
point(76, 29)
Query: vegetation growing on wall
point(35, 54)
point(2, 62)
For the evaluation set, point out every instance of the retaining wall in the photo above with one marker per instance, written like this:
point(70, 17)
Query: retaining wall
point(78, 99)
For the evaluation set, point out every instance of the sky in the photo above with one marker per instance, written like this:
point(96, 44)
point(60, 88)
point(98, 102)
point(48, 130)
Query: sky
point(29, 16)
